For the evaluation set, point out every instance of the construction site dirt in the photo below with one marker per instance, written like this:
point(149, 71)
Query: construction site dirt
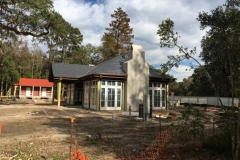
point(43, 132)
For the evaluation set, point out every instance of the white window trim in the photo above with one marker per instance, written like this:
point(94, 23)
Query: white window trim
point(161, 89)
point(106, 86)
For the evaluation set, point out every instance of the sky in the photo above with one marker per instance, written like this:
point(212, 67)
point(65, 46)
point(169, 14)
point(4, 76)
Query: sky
point(93, 16)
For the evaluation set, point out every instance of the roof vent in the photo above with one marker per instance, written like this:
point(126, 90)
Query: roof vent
point(91, 65)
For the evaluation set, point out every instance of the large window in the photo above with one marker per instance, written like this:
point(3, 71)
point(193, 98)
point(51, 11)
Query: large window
point(103, 97)
point(90, 94)
point(156, 99)
point(93, 96)
point(111, 95)
point(157, 94)
point(119, 97)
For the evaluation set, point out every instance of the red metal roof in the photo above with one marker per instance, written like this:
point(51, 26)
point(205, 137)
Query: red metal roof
point(35, 82)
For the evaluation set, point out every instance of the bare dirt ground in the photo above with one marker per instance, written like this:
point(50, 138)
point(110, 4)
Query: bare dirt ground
point(43, 132)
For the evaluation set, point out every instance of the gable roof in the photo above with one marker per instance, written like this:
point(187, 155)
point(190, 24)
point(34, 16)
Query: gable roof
point(69, 70)
point(35, 82)
point(110, 66)
point(154, 74)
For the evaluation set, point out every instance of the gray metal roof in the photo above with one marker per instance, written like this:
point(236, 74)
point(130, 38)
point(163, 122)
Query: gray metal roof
point(111, 66)
point(70, 70)
point(155, 74)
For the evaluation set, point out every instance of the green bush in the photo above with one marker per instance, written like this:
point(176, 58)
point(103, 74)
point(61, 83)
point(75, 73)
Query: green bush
point(190, 127)
point(219, 143)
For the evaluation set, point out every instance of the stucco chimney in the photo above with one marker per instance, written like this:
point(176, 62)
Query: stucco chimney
point(138, 77)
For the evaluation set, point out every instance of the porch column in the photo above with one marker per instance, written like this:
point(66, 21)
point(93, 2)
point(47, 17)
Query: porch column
point(52, 95)
point(20, 90)
point(40, 94)
point(32, 91)
point(98, 95)
point(15, 89)
point(59, 93)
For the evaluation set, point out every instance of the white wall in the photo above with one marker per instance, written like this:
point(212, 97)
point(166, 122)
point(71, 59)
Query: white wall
point(205, 100)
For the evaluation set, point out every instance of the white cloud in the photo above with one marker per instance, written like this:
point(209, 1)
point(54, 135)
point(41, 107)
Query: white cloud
point(181, 72)
point(92, 17)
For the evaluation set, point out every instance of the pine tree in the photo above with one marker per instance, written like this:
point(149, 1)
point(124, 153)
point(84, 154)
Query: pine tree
point(117, 39)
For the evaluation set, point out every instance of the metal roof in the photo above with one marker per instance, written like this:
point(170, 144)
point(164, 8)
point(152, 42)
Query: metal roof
point(35, 82)
point(113, 66)
point(70, 70)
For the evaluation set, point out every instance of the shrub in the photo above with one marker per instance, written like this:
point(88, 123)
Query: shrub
point(190, 128)
point(219, 143)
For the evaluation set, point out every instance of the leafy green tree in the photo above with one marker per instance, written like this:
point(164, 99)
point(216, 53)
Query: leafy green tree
point(174, 87)
point(62, 41)
point(39, 19)
point(8, 70)
point(169, 38)
point(22, 57)
point(85, 54)
point(220, 45)
point(38, 63)
point(199, 85)
point(9, 73)
point(28, 17)
point(117, 39)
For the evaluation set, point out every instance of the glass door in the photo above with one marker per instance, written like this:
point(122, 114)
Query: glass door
point(157, 95)
point(111, 95)
point(78, 96)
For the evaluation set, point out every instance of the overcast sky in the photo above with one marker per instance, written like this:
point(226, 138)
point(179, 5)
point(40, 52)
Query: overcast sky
point(93, 16)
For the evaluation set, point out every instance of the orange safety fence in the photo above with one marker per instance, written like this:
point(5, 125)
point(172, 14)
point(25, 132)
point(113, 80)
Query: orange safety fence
point(79, 155)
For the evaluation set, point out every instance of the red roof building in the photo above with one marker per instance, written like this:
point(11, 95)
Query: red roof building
point(35, 88)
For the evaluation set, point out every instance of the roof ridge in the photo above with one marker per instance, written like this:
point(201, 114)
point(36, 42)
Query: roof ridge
point(97, 66)
point(88, 71)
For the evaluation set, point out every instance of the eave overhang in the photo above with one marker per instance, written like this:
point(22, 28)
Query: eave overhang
point(105, 75)
point(161, 79)
point(66, 78)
